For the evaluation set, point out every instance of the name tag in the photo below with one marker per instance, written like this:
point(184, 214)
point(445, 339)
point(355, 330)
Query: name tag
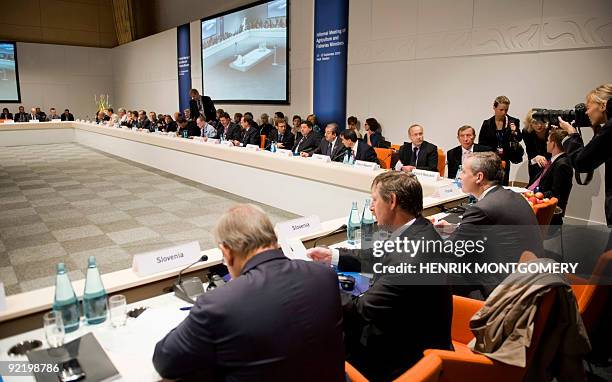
point(298, 227)
point(34, 121)
point(321, 157)
point(284, 152)
point(2, 297)
point(426, 175)
point(365, 164)
point(149, 263)
point(9, 121)
point(227, 143)
point(252, 147)
point(213, 141)
point(448, 190)
point(56, 120)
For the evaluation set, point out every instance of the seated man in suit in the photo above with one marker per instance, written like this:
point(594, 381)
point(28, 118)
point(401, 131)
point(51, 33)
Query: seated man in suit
point(501, 216)
point(283, 137)
point(42, 116)
point(67, 116)
point(277, 320)
point(184, 125)
point(250, 134)
point(6, 114)
point(331, 146)
point(388, 327)
point(308, 141)
point(228, 130)
point(170, 125)
point(555, 179)
point(33, 116)
point(358, 149)
point(206, 129)
point(21, 116)
point(465, 135)
point(53, 114)
point(143, 122)
point(418, 154)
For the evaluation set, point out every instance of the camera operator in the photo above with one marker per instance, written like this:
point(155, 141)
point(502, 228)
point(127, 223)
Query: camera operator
point(597, 151)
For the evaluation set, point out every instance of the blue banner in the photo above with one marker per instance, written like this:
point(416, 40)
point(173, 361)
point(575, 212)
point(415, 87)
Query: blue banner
point(183, 58)
point(330, 56)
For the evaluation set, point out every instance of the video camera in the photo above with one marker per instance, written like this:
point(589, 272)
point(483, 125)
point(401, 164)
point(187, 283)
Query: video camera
point(578, 115)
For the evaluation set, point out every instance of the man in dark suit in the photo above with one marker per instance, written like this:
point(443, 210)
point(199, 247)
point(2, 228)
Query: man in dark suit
point(227, 129)
point(501, 218)
point(331, 146)
point(277, 320)
point(143, 122)
point(184, 125)
point(53, 114)
point(201, 105)
point(6, 114)
point(21, 116)
point(67, 116)
point(454, 157)
point(357, 149)
point(555, 179)
point(418, 154)
point(388, 327)
point(309, 140)
point(42, 116)
point(283, 137)
point(250, 134)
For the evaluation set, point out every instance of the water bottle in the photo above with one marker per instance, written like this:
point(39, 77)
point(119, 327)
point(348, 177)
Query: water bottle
point(65, 301)
point(351, 158)
point(273, 147)
point(346, 157)
point(353, 225)
point(457, 180)
point(94, 296)
point(367, 223)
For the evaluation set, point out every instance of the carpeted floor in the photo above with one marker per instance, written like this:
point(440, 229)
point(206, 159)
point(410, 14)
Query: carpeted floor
point(65, 202)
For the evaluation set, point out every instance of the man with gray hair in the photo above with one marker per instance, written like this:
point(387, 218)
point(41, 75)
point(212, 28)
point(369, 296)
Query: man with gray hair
point(331, 146)
point(277, 320)
point(500, 217)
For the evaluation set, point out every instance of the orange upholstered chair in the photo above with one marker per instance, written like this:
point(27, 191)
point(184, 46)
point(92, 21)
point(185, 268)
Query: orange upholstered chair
point(353, 374)
point(384, 157)
point(441, 161)
point(428, 369)
point(544, 211)
point(396, 147)
point(465, 365)
point(262, 141)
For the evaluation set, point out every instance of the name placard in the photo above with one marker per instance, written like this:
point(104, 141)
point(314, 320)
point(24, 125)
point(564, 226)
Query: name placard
point(227, 143)
point(2, 297)
point(149, 263)
point(321, 157)
point(252, 147)
point(426, 175)
point(213, 141)
point(8, 121)
point(284, 152)
point(297, 227)
point(447, 190)
point(33, 121)
point(364, 164)
point(56, 120)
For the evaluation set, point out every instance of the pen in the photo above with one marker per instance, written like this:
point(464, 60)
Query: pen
point(185, 308)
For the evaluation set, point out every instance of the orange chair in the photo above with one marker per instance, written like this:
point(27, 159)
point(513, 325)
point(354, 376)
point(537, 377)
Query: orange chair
point(428, 369)
point(465, 365)
point(395, 147)
point(384, 157)
point(441, 161)
point(353, 374)
point(544, 211)
point(262, 141)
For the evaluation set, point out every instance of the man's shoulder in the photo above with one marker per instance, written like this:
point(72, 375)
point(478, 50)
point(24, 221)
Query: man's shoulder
point(428, 146)
point(454, 151)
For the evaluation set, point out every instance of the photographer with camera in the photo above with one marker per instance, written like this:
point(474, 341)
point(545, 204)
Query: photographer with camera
point(597, 151)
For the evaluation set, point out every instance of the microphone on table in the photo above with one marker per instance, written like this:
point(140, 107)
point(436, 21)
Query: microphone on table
point(332, 233)
point(185, 292)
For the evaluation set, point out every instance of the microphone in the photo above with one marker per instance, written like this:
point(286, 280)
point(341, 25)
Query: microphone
point(185, 292)
point(338, 155)
point(337, 230)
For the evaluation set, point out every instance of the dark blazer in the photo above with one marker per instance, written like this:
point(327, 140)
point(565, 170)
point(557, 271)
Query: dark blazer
point(280, 320)
point(21, 117)
point(171, 127)
point(210, 113)
point(288, 139)
point(507, 221)
point(233, 132)
point(388, 327)
point(365, 152)
point(557, 182)
point(192, 129)
point(427, 159)
point(375, 138)
point(251, 137)
point(308, 143)
point(42, 116)
point(68, 117)
point(454, 155)
point(266, 129)
point(145, 125)
point(588, 158)
point(534, 147)
point(335, 154)
point(6, 116)
point(488, 137)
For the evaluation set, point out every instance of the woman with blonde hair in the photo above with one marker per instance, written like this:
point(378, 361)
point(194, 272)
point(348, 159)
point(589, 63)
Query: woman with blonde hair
point(535, 134)
point(597, 151)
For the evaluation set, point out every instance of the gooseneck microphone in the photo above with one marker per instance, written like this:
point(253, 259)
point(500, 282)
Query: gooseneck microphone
point(332, 233)
point(189, 292)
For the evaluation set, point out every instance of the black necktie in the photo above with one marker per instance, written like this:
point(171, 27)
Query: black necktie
point(329, 148)
point(280, 137)
point(414, 156)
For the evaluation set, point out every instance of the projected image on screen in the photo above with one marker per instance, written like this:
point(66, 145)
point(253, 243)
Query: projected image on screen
point(244, 54)
point(9, 91)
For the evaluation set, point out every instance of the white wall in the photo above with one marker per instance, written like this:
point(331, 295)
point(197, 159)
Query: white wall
point(63, 76)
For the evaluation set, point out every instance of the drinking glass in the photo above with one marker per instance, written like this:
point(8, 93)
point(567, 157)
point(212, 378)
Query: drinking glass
point(54, 329)
point(118, 310)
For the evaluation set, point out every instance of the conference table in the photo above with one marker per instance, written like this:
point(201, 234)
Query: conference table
point(306, 187)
